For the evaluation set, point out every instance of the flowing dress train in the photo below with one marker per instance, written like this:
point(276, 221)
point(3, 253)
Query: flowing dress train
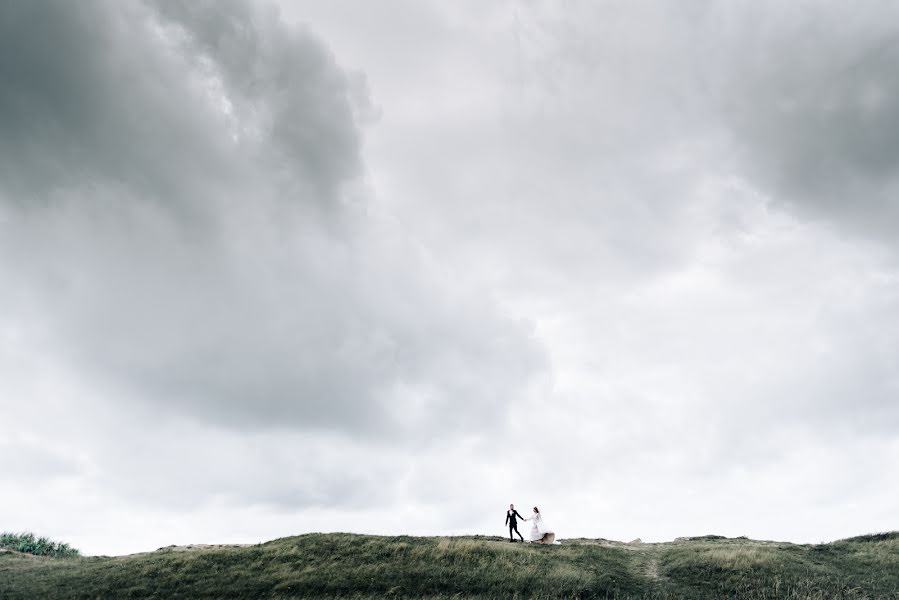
point(539, 532)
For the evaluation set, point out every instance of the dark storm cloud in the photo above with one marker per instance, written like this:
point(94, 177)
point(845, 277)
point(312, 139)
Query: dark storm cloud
point(75, 106)
point(183, 219)
point(816, 110)
point(281, 81)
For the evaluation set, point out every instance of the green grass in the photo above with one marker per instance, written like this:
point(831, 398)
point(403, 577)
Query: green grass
point(357, 566)
point(39, 546)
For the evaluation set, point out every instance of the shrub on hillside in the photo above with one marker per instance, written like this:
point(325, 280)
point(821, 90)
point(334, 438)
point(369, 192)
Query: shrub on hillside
point(40, 546)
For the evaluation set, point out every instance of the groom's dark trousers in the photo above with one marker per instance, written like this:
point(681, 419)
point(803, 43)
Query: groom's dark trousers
point(513, 523)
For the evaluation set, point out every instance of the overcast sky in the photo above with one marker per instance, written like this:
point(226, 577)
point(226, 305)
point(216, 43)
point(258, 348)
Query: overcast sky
point(385, 267)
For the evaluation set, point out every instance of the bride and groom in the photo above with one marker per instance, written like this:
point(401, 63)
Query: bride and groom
point(539, 533)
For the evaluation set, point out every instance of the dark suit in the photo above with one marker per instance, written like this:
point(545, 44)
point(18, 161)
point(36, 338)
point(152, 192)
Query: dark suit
point(513, 523)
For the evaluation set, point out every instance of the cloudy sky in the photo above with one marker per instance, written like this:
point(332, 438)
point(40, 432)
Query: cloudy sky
point(386, 267)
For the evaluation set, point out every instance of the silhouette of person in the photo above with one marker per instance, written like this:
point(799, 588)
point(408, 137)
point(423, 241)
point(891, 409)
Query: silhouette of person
point(512, 517)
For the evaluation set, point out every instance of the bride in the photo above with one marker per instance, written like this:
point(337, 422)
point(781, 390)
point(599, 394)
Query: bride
point(539, 533)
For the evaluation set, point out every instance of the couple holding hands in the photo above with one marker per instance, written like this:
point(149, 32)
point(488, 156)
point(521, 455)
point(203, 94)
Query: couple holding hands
point(539, 533)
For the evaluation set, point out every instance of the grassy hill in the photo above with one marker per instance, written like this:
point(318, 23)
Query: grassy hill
point(358, 566)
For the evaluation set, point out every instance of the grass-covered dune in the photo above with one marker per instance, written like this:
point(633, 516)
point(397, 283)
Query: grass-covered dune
point(358, 566)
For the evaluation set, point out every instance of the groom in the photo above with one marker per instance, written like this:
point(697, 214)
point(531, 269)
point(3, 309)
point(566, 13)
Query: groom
point(511, 521)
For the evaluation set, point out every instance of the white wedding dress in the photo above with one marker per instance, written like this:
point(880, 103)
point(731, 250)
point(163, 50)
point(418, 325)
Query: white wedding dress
point(539, 532)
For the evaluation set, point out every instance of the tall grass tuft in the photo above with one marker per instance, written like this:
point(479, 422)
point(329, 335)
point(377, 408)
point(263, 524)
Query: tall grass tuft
point(28, 543)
